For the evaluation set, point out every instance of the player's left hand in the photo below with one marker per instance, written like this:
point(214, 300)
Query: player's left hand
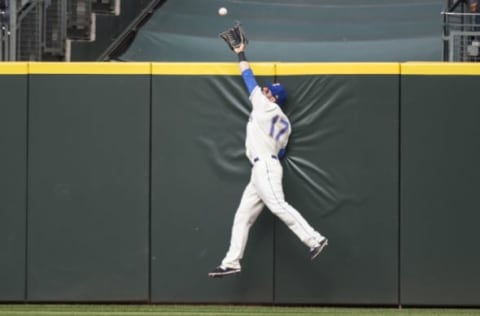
point(239, 49)
point(235, 37)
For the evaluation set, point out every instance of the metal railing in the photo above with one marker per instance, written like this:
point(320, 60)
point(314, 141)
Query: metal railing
point(55, 29)
point(33, 30)
point(7, 41)
point(36, 30)
point(461, 36)
point(28, 32)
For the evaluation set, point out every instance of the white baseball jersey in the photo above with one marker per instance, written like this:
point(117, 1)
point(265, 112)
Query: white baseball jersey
point(268, 128)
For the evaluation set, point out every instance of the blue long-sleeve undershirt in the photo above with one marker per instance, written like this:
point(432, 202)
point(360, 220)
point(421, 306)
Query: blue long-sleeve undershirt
point(249, 79)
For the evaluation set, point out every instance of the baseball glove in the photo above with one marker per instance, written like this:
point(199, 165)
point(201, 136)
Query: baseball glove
point(234, 36)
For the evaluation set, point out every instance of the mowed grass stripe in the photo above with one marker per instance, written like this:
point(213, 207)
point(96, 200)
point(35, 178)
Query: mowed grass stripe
point(131, 313)
point(214, 310)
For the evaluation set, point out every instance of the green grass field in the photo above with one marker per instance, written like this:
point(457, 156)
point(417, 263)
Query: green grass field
point(218, 310)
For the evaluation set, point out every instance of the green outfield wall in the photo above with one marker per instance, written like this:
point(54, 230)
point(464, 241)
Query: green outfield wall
point(341, 173)
point(120, 182)
point(13, 179)
point(439, 180)
point(88, 190)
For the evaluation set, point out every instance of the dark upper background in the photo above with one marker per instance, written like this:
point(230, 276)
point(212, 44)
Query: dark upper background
point(300, 30)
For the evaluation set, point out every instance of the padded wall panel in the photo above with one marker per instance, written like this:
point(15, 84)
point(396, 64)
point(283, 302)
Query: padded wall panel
point(89, 182)
point(439, 184)
point(13, 169)
point(341, 173)
point(199, 171)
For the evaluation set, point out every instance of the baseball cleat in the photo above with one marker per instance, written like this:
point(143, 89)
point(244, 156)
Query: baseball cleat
point(221, 271)
point(315, 251)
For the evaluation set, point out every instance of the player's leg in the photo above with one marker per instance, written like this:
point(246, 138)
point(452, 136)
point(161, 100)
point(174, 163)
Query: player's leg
point(267, 176)
point(247, 212)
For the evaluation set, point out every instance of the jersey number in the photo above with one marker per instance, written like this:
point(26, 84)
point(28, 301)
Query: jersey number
point(283, 127)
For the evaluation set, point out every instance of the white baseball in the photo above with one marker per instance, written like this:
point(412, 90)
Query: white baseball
point(222, 11)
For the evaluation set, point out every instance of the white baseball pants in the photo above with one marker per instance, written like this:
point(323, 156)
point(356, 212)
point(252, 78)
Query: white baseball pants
point(265, 189)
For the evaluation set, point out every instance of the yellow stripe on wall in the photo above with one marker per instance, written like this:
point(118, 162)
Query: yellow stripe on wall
point(198, 69)
point(446, 68)
point(13, 68)
point(294, 69)
point(90, 68)
point(232, 68)
point(272, 68)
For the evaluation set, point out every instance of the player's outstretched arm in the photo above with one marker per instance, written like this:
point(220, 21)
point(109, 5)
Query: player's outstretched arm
point(247, 73)
point(240, 51)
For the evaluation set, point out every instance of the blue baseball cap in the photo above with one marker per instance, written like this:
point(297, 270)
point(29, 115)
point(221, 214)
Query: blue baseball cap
point(279, 92)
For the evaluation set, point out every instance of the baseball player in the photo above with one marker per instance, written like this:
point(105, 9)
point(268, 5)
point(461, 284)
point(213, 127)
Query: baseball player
point(268, 130)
